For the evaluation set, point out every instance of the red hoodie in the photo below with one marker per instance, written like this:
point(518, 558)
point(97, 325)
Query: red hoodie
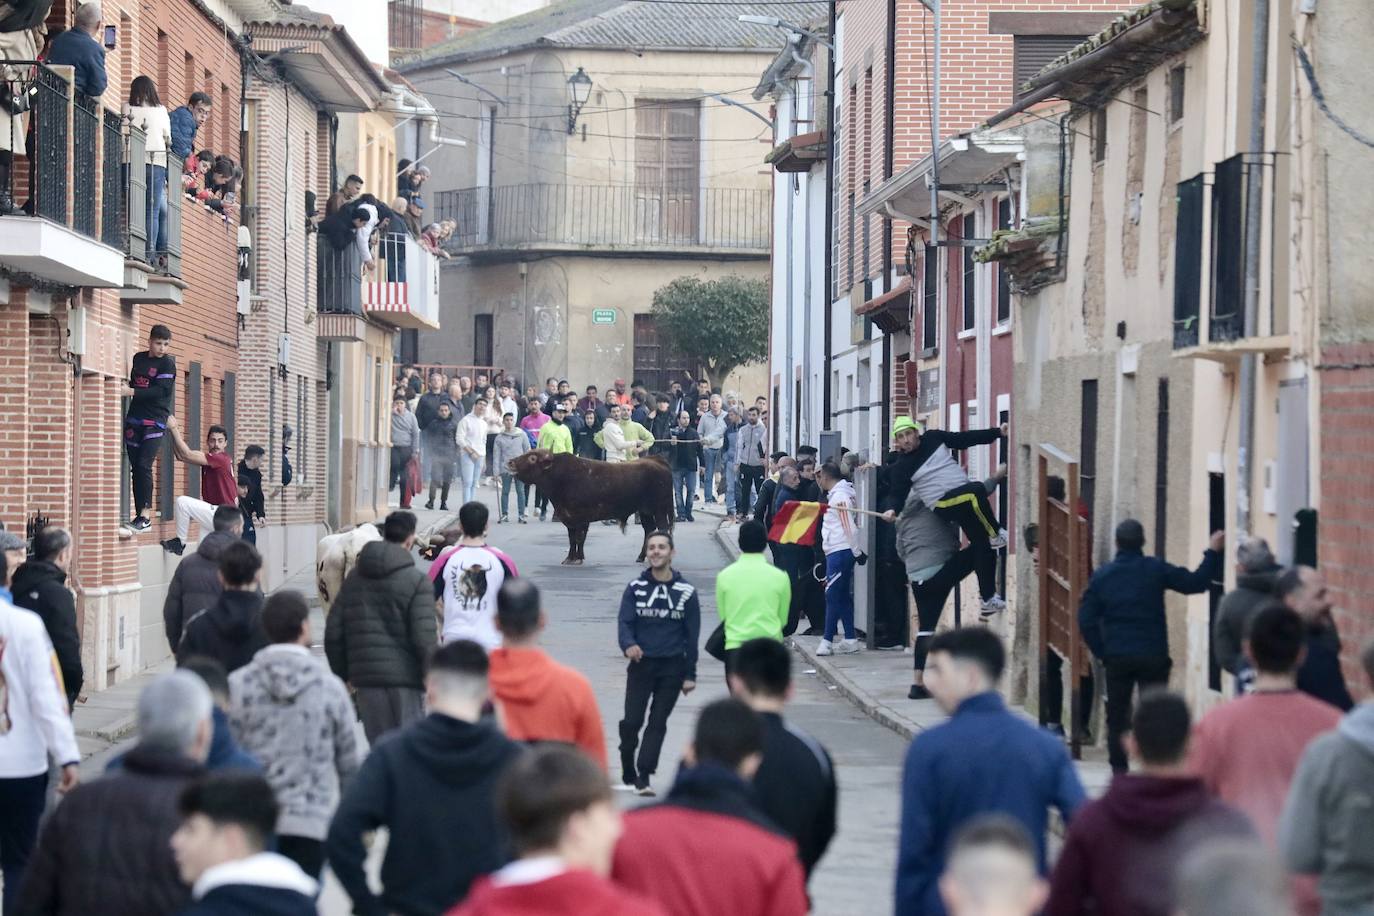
point(571, 893)
point(542, 700)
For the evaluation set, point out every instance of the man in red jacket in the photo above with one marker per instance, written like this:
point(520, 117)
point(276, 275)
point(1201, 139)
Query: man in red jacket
point(707, 849)
point(1123, 851)
point(558, 809)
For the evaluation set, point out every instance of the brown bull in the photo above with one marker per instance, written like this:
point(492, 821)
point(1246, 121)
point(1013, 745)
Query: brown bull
point(584, 491)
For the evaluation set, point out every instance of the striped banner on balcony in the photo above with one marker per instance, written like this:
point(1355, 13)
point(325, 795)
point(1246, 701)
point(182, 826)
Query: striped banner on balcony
point(383, 296)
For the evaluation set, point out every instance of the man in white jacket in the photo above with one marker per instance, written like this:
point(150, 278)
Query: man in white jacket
point(33, 725)
point(472, 446)
point(840, 541)
point(711, 428)
point(618, 448)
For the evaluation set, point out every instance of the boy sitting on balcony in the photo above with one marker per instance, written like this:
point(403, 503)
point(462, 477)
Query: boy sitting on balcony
point(152, 376)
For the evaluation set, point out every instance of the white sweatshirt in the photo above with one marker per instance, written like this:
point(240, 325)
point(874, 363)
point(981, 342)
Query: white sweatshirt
point(472, 433)
point(839, 529)
point(617, 449)
point(35, 720)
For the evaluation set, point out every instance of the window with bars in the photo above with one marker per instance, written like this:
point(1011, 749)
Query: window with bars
point(969, 231)
point(930, 301)
point(1100, 136)
point(1003, 279)
point(1177, 88)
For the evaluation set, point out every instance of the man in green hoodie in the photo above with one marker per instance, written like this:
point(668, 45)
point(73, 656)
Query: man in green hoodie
point(752, 596)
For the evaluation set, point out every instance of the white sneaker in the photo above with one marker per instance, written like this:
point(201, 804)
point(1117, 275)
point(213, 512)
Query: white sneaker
point(991, 608)
point(847, 646)
point(825, 648)
point(1000, 541)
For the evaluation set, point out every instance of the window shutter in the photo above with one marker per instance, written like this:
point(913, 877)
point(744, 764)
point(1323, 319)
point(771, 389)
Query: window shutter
point(1033, 53)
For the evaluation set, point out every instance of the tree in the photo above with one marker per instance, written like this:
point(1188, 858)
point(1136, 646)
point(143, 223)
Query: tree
point(718, 325)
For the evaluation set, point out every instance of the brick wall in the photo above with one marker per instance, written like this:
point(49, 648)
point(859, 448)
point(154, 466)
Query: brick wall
point(1347, 497)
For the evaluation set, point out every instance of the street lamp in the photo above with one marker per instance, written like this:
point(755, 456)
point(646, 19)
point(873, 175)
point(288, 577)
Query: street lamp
point(579, 90)
point(777, 23)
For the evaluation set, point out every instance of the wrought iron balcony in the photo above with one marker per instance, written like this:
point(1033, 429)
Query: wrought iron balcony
point(614, 219)
point(338, 290)
point(404, 290)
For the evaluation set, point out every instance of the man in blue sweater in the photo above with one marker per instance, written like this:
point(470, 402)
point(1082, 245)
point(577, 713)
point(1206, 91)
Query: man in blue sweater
point(985, 759)
point(1122, 619)
point(77, 48)
point(186, 120)
point(659, 624)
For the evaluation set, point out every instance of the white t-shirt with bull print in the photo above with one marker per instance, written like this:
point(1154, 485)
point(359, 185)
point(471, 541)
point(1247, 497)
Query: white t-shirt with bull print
point(471, 578)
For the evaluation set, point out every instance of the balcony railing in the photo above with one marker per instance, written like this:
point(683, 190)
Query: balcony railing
point(405, 289)
point(624, 217)
point(114, 231)
point(36, 182)
point(85, 147)
point(339, 279)
point(167, 256)
point(136, 191)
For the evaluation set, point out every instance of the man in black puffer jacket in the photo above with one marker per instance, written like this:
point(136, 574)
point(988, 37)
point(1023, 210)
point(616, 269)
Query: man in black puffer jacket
point(40, 585)
point(195, 585)
point(106, 849)
point(230, 631)
point(381, 629)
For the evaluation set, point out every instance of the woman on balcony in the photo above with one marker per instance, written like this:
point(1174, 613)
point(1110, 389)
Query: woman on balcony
point(149, 115)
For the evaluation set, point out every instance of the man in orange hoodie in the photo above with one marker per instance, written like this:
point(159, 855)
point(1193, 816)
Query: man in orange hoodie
point(537, 698)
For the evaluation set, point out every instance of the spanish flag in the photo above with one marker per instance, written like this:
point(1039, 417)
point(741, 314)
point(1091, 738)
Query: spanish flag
point(796, 522)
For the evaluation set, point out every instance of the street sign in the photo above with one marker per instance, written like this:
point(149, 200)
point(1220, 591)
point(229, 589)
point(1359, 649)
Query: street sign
point(603, 316)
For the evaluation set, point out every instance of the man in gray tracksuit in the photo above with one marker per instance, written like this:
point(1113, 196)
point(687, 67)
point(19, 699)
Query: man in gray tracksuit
point(711, 428)
point(752, 446)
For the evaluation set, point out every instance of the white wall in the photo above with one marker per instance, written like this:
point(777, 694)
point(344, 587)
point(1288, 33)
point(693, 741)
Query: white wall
point(365, 21)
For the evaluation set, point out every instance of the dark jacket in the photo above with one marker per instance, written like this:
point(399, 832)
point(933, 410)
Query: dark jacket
point(265, 884)
point(427, 408)
point(686, 454)
point(381, 627)
point(225, 754)
point(195, 585)
point(1123, 850)
point(433, 785)
point(984, 759)
point(660, 425)
point(229, 631)
point(184, 129)
point(709, 847)
point(1234, 612)
point(584, 441)
point(440, 438)
point(106, 849)
point(78, 50)
point(662, 618)
point(1320, 675)
point(41, 587)
point(154, 383)
point(765, 506)
point(1122, 611)
point(256, 501)
point(796, 788)
point(894, 479)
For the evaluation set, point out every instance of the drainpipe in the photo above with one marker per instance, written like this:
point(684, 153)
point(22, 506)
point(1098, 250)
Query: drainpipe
point(1253, 221)
point(829, 216)
point(889, 119)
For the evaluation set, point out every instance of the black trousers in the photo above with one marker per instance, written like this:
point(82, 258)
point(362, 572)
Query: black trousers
point(305, 852)
point(791, 559)
point(21, 807)
point(142, 443)
point(931, 595)
point(1125, 673)
point(890, 610)
point(749, 476)
point(650, 679)
point(1052, 697)
point(400, 454)
point(969, 508)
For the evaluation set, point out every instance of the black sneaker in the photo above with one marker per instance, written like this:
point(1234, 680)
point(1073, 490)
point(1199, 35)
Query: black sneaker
point(139, 523)
point(917, 692)
point(627, 779)
point(643, 789)
point(174, 546)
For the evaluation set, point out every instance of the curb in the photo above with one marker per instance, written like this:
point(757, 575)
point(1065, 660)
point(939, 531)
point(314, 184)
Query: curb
point(114, 733)
point(856, 695)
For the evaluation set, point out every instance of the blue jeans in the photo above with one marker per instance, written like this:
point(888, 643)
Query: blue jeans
point(685, 491)
point(839, 593)
point(471, 470)
point(731, 487)
point(520, 492)
point(156, 177)
point(712, 458)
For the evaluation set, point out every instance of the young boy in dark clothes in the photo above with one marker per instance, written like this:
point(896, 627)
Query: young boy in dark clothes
point(255, 507)
point(250, 531)
point(152, 376)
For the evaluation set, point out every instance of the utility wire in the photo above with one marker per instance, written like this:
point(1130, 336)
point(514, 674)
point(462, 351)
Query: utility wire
point(1320, 98)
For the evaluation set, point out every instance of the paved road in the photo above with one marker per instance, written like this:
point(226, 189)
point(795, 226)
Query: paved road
point(855, 877)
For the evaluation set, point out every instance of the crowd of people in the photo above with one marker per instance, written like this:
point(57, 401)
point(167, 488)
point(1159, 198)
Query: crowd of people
point(466, 429)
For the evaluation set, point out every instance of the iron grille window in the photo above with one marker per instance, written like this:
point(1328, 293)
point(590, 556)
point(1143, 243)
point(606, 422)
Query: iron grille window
point(1033, 53)
point(1188, 262)
point(1100, 135)
point(969, 231)
point(1003, 279)
point(1228, 250)
point(930, 300)
point(1177, 86)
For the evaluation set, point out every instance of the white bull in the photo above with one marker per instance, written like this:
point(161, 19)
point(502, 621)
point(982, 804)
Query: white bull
point(336, 556)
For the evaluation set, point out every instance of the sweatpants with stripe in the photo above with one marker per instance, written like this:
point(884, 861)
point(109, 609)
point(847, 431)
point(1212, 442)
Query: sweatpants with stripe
point(969, 508)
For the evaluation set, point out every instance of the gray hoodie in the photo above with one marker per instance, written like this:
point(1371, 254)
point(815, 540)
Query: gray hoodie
point(925, 541)
point(1327, 828)
point(510, 444)
point(288, 711)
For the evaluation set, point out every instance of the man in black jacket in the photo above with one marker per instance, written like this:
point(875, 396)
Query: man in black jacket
point(661, 421)
point(433, 786)
point(427, 409)
point(795, 783)
point(106, 849)
point(658, 627)
point(1304, 590)
point(230, 631)
point(40, 585)
point(195, 585)
point(255, 503)
point(1122, 619)
point(382, 627)
point(684, 457)
point(153, 378)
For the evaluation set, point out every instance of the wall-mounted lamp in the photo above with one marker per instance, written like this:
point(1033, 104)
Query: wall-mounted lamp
point(579, 90)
